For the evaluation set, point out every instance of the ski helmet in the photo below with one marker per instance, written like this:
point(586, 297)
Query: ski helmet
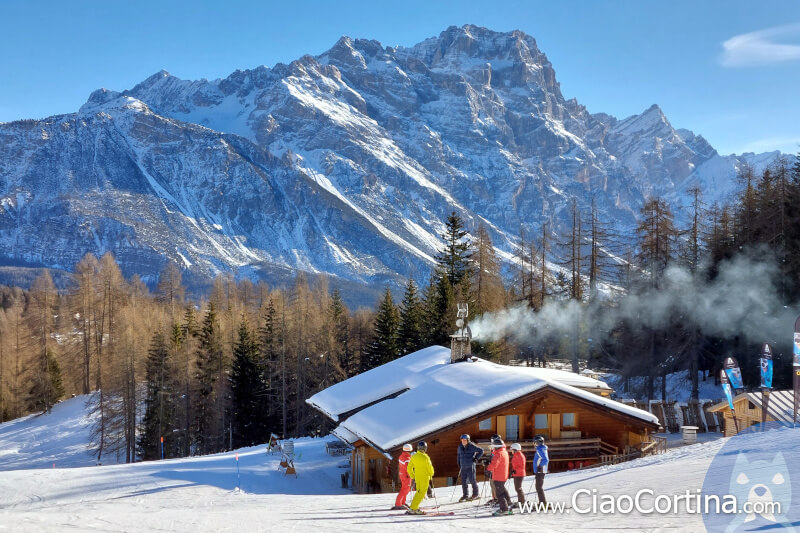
point(422, 446)
point(516, 447)
point(407, 447)
point(465, 436)
point(497, 443)
point(539, 439)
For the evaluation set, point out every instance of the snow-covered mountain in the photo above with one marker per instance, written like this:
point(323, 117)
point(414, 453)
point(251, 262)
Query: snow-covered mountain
point(346, 163)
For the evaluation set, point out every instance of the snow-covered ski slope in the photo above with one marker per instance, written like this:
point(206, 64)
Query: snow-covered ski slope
point(205, 494)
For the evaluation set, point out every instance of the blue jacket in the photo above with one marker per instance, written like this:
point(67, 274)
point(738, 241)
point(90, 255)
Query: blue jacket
point(467, 455)
point(540, 459)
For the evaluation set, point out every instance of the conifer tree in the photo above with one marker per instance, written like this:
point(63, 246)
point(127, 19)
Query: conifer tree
point(453, 261)
point(247, 390)
point(160, 403)
point(209, 360)
point(487, 285)
point(384, 346)
point(339, 333)
point(410, 330)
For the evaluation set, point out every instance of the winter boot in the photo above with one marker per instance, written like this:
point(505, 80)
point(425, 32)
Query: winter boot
point(414, 511)
point(463, 498)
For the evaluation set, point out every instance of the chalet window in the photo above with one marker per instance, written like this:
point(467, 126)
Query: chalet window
point(568, 420)
point(485, 425)
point(512, 427)
point(540, 421)
point(750, 405)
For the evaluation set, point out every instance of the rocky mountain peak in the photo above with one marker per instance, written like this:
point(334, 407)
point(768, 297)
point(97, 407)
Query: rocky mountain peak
point(347, 163)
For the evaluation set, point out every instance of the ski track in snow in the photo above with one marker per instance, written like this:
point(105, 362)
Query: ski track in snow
point(202, 493)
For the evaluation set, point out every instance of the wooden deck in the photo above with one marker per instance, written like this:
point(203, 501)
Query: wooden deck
point(590, 450)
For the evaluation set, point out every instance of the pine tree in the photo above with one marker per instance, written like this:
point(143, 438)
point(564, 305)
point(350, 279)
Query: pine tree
point(384, 346)
point(338, 320)
point(160, 403)
point(247, 390)
point(453, 261)
point(410, 330)
point(209, 360)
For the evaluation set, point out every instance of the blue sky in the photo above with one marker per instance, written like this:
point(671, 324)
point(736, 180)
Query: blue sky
point(729, 70)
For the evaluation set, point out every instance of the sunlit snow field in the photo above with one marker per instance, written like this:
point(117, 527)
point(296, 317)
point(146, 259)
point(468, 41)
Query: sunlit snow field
point(207, 494)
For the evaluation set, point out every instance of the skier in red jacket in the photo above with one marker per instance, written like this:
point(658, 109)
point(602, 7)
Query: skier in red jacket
point(518, 470)
point(499, 469)
point(405, 481)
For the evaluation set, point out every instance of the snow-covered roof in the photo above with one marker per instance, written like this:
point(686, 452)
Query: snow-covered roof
point(378, 383)
point(344, 434)
point(437, 394)
point(406, 372)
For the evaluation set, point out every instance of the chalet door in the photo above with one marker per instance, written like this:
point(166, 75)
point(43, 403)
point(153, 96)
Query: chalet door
point(501, 425)
point(541, 425)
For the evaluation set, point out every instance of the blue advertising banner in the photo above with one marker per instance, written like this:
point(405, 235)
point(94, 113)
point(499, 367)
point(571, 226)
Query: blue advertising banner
point(734, 373)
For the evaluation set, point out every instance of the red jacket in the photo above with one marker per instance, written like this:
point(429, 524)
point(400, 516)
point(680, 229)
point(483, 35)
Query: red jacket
point(518, 465)
point(402, 465)
point(499, 465)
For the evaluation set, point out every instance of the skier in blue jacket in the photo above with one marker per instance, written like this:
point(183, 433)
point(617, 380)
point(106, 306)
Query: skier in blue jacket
point(468, 455)
point(540, 461)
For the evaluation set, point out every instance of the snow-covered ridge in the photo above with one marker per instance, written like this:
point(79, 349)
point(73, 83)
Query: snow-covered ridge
point(347, 163)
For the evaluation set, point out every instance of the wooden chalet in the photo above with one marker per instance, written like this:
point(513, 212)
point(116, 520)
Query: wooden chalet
point(428, 396)
point(780, 408)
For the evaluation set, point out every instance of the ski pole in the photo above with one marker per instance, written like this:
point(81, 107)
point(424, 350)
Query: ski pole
point(453, 496)
point(480, 498)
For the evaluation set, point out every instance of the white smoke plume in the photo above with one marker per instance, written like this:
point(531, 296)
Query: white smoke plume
point(743, 300)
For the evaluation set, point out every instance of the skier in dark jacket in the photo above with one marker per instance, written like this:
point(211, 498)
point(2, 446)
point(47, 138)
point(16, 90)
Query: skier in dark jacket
point(468, 455)
point(540, 461)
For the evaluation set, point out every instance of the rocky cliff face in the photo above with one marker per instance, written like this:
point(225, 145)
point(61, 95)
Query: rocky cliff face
point(347, 163)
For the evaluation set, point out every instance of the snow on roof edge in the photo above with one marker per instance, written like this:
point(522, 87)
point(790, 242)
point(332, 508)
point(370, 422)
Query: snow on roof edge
point(499, 400)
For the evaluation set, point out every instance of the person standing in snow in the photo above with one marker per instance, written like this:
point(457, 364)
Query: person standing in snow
point(420, 469)
point(487, 473)
point(468, 455)
point(540, 462)
point(405, 481)
point(499, 469)
point(518, 470)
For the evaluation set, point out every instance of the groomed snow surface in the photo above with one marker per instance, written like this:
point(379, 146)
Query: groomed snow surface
point(206, 493)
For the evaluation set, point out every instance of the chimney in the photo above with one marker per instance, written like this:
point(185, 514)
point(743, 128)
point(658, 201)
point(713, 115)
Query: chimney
point(460, 340)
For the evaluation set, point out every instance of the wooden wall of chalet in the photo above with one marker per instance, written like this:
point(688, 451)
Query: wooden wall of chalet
point(747, 414)
point(371, 471)
point(591, 421)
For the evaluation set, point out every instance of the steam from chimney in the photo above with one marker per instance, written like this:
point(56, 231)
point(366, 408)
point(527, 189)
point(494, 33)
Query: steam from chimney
point(742, 300)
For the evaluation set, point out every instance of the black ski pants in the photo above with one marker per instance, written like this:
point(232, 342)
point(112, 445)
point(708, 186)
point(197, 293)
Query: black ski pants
point(502, 495)
point(518, 488)
point(540, 485)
